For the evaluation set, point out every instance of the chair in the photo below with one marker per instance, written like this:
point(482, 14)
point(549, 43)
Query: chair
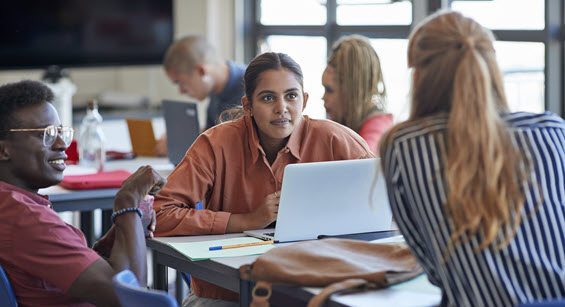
point(7, 297)
point(186, 277)
point(131, 294)
point(545, 303)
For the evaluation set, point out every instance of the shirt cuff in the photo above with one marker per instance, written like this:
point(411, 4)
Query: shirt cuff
point(220, 222)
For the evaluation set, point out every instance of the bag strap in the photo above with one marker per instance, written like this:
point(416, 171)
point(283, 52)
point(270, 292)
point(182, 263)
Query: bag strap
point(348, 285)
point(261, 294)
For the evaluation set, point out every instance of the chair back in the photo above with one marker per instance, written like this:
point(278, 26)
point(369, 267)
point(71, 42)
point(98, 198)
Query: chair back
point(7, 297)
point(545, 303)
point(131, 295)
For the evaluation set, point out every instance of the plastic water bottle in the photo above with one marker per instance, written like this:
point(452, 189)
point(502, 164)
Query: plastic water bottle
point(91, 139)
point(59, 82)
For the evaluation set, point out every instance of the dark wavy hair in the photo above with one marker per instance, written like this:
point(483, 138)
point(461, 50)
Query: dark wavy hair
point(17, 95)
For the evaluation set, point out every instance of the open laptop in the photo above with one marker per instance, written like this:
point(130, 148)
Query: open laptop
point(141, 136)
point(181, 122)
point(330, 198)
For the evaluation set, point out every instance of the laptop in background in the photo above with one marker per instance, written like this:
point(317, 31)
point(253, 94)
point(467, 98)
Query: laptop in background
point(181, 123)
point(328, 199)
point(141, 136)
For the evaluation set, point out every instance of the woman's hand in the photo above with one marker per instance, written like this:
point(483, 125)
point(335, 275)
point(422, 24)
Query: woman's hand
point(264, 214)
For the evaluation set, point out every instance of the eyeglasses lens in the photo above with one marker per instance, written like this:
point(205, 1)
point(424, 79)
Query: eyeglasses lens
point(67, 135)
point(51, 133)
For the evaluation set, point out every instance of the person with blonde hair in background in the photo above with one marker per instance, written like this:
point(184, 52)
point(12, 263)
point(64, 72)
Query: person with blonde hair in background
point(355, 94)
point(477, 191)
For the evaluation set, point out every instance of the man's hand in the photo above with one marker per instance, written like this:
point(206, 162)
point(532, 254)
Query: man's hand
point(144, 181)
point(151, 227)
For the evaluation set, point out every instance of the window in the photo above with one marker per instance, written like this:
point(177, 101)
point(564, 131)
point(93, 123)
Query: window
point(522, 66)
point(529, 47)
point(522, 63)
point(293, 12)
point(312, 63)
point(504, 14)
point(361, 12)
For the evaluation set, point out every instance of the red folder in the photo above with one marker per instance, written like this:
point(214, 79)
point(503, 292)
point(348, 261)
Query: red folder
point(102, 180)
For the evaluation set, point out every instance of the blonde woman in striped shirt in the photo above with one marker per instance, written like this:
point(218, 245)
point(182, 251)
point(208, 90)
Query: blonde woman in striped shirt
point(477, 191)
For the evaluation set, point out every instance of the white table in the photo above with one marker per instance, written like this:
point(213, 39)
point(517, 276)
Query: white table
point(85, 201)
point(224, 272)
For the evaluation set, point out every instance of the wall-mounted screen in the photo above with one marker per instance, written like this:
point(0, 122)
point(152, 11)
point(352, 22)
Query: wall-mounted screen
point(75, 33)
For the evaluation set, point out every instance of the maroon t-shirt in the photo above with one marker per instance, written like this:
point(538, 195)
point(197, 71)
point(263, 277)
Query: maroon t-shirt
point(41, 254)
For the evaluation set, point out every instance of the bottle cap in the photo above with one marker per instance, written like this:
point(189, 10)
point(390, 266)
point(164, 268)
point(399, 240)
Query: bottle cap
point(92, 104)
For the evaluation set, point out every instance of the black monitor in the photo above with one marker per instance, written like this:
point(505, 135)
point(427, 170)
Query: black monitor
point(79, 33)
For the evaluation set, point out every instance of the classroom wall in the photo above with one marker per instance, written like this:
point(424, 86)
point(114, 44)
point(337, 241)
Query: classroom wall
point(213, 19)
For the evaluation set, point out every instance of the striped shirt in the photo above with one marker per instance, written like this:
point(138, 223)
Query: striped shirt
point(532, 266)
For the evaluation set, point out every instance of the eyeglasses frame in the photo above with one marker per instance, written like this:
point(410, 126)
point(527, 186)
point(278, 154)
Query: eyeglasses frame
point(59, 130)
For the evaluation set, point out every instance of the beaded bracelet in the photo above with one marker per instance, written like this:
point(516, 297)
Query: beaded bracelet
point(131, 209)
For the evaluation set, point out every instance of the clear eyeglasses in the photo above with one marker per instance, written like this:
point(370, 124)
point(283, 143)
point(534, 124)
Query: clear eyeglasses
point(50, 134)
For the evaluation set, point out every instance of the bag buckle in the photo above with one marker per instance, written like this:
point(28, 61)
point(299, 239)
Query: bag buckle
point(262, 290)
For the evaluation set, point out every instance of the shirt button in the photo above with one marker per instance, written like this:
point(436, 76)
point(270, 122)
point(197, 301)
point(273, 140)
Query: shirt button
point(287, 150)
point(272, 181)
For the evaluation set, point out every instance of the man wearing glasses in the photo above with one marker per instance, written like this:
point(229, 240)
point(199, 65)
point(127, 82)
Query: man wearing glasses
point(47, 261)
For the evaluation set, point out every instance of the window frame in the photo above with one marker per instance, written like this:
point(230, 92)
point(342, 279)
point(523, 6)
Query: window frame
point(552, 36)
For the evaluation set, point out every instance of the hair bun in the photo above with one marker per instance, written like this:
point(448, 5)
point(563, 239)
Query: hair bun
point(469, 42)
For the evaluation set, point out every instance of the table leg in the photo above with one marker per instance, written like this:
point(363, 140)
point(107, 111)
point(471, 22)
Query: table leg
point(244, 293)
point(179, 288)
point(160, 278)
point(106, 221)
point(87, 226)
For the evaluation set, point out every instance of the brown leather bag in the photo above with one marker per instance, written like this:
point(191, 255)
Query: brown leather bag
point(337, 264)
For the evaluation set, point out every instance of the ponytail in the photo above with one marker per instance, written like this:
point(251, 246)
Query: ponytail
point(481, 159)
point(456, 74)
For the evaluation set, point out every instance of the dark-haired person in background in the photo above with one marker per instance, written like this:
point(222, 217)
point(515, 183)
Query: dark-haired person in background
point(47, 260)
point(236, 168)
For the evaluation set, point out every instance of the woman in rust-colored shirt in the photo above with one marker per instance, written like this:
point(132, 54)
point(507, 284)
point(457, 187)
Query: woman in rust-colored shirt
point(236, 168)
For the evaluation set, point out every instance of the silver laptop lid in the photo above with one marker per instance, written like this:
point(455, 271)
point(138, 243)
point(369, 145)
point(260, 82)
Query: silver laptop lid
point(332, 198)
point(181, 122)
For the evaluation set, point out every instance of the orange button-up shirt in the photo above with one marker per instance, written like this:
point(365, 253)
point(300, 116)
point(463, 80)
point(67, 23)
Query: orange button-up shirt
point(227, 169)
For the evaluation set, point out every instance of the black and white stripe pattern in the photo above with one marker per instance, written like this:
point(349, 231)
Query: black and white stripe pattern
point(532, 267)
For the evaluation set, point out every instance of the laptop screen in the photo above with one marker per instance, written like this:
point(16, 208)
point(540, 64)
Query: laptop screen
point(181, 122)
point(331, 198)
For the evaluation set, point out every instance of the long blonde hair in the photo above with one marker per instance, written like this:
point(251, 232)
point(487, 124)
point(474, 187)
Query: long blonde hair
point(456, 73)
point(360, 79)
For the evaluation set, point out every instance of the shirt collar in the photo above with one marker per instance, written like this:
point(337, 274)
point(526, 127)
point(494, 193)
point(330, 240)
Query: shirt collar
point(233, 79)
point(296, 137)
point(293, 144)
point(39, 198)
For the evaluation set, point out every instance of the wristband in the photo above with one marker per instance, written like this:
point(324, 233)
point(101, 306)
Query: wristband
point(115, 214)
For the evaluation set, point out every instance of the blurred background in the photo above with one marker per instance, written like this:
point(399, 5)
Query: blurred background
point(112, 50)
